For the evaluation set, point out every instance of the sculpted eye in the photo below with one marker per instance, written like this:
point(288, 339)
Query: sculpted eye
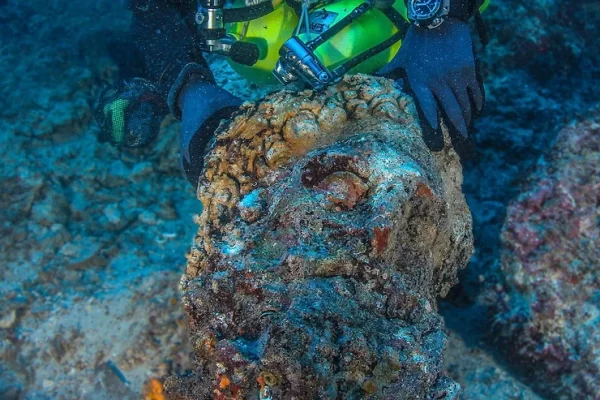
point(344, 189)
point(337, 178)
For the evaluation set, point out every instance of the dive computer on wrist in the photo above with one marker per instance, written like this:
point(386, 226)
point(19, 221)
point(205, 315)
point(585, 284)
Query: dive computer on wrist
point(427, 13)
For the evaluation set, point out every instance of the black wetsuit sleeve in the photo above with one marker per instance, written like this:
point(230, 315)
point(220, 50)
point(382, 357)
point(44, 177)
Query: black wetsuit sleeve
point(163, 35)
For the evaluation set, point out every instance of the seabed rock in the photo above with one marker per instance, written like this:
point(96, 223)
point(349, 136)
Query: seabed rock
point(328, 230)
point(548, 310)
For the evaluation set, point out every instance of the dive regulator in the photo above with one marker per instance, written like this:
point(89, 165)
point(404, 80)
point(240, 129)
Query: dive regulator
point(212, 16)
point(298, 60)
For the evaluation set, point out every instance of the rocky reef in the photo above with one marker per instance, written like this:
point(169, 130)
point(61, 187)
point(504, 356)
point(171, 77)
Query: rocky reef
point(548, 311)
point(544, 37)
point(328, 231)
point(540, 71)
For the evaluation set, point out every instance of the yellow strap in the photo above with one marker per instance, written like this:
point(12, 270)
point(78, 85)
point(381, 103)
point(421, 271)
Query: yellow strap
point(117, 115)
point(485, 5)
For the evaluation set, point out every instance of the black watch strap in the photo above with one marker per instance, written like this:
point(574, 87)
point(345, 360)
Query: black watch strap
point(464, 9)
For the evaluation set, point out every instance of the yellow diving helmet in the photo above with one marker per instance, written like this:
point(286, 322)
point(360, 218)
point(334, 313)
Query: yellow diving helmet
point(332, 38)
point(285, 41)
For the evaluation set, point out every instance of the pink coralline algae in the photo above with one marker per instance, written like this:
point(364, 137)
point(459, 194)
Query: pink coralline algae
point(549, 312)
point(328, 231)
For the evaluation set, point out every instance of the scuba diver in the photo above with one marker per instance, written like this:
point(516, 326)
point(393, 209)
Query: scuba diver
point(427, 43)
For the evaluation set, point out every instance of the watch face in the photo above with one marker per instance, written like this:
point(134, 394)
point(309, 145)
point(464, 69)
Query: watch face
point(422, 10)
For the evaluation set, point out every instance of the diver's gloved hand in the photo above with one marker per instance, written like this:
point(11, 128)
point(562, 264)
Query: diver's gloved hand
point(202, 105)
point(129, 114)
point(440, 68)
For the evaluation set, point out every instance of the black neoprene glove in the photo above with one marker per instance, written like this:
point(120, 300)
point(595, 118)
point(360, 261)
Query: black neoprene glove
point(441, 71)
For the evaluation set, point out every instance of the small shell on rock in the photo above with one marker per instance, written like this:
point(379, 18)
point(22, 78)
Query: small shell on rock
point(252, 205)
point(8, 320)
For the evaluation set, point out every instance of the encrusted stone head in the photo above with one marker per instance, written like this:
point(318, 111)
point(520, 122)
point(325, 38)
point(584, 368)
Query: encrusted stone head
point(328, 229)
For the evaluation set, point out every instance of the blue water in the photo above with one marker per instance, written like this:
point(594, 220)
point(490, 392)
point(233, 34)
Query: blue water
point(94, 237)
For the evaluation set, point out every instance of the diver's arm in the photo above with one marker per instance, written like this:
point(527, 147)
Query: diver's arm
point(201, 104)
point(176, 79)
point(184, 77)
point(166, 42)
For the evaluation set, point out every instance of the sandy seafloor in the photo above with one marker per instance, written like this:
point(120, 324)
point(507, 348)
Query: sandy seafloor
point(93, 238)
